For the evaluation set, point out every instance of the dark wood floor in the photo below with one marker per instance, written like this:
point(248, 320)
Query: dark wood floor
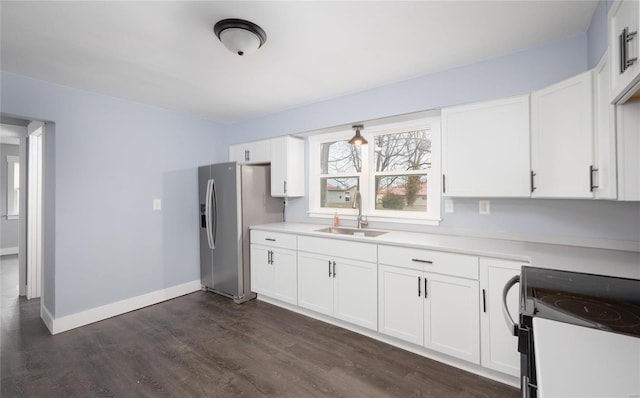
point(203, 345)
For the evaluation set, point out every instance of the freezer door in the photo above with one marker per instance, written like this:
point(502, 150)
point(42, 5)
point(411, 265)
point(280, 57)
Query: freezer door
point(204, 175)
point(226, 267)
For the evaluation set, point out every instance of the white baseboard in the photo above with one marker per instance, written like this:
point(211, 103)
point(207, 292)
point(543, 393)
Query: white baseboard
point(46, 317)
point(68, 322)
point(8, 250)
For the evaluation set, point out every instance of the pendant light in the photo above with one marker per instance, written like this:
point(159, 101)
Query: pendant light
point(358, 139)
point(239, 36)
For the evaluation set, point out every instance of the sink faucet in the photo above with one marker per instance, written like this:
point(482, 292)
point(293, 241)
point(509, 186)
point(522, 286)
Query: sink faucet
point(357, 202)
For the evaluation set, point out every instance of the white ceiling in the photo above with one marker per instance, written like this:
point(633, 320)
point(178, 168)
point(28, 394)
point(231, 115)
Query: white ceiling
point(166, 54)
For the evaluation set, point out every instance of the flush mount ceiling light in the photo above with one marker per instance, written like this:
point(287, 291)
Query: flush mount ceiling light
point(240, 36)
point(358, 139)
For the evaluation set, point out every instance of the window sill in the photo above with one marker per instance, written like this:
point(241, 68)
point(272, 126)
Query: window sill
point(395, 220)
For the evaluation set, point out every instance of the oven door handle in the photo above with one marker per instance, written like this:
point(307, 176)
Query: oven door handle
point(513, 326)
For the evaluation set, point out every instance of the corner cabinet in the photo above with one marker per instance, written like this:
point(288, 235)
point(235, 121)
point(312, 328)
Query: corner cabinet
point(274, 266)
point(624, 47)
point(287, 167)
point(485, 149)
point(342, 284)
point(562, 139)
point(499, 345)
point(431, 299)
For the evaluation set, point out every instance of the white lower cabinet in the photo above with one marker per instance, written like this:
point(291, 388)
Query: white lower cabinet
point(341, 287)
point(440, 312)
point(274, 267)
point(499, 346)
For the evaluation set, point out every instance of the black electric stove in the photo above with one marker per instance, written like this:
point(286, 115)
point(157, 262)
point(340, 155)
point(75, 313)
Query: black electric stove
point(596, 301)
point(602, 302)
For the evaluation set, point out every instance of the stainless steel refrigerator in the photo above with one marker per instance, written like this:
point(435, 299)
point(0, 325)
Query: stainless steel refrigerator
point(232, 197)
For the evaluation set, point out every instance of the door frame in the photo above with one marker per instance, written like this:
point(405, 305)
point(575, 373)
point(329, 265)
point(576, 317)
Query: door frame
point(35, 209)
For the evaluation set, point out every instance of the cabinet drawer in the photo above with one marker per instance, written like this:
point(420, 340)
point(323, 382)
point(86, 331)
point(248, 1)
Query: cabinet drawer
point(274, 239)
point(429, 261)
point(338, 248)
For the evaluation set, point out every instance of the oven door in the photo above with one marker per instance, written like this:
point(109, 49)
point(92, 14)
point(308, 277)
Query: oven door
point(576, 361)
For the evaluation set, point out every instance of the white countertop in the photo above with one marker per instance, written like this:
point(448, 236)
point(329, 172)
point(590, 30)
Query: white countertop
point(581, 259)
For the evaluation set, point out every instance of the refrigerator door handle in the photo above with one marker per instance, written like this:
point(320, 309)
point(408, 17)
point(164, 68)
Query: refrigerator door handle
point(207, 214)
point(214, 213)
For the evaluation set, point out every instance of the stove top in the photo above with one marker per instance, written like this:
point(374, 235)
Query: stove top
point(596, 301)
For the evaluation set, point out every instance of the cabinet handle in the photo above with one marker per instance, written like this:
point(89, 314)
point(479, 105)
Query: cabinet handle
point(425, 288)
point(533, 186)
point(285, 187)
point(484, 300)
point(270, 239)
point(444, 185)
point(329, 268)
point(417, 260)
point(419, 285)
point(625, 38)
point(334, 269)
point(591, 171)
point(268, 256)
point(246, 155)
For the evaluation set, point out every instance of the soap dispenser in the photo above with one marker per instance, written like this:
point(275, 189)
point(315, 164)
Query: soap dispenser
point(336, 219)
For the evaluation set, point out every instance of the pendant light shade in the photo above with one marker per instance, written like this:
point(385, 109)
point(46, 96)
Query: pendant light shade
point(358, 139)
point(239, 36)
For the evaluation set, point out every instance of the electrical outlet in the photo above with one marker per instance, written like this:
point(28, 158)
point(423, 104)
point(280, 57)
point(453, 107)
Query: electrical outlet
point(448, 205)
point(157, 204)
point(485, 207)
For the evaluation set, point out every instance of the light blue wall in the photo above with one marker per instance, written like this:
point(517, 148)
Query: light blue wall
point(597, 35)
point(512, 74)
point(107, 159)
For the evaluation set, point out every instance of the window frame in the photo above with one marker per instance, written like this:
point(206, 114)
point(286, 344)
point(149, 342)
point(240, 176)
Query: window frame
point(432, 216)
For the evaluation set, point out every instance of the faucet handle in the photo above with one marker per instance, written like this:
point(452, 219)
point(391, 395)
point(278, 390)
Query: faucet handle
point(363, 221)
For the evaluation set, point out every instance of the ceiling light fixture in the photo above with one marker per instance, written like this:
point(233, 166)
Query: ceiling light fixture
point(239, 36)
point(358, 139)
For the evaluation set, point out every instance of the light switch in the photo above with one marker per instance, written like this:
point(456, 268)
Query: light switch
point(448, 205)
point(157, 204)
point(485, 207)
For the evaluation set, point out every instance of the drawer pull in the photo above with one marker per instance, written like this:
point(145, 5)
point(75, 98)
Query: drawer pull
point(417, 260)
point(270, 239)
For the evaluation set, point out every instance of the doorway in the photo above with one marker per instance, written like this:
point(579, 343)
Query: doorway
point(22, 258)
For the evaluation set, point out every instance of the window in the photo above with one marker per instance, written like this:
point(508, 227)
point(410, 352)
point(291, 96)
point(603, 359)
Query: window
point(398, 173)
point(13, 187)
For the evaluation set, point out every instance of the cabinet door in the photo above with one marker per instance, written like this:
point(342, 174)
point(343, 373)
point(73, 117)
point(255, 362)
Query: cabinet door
point(451, 320)
point(251, 152)
point(604, 178)
point(624, 15)
point(286, 275)
point(315, 282)
point(485, 149)
point(562, 139)
point(499, 345)
point(400, 303)
point(262, 272)
point(287, 167)
point(356, 292)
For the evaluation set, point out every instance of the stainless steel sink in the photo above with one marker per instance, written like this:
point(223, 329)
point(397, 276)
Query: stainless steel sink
point(351, 231)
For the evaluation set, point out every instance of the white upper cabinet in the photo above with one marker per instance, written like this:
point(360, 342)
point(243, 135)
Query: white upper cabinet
point(251, 152)
point(287, 167)
point(562, 139)
point(624, 47)
point(604, 177)
point(485, 149)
